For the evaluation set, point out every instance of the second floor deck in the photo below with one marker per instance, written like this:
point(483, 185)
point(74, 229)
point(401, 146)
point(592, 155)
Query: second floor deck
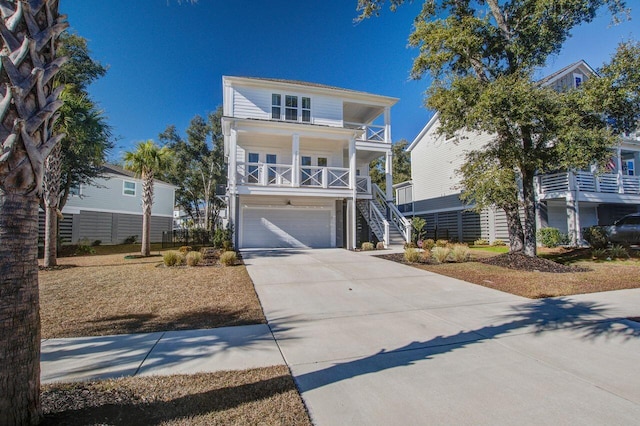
point(557, 185)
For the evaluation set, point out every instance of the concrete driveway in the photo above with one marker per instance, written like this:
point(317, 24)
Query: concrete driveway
point(370, 341)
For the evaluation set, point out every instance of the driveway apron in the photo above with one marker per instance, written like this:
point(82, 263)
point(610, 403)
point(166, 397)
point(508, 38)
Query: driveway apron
point(375, 342)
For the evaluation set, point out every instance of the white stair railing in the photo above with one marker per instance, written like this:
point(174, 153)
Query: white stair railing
point(398, 220)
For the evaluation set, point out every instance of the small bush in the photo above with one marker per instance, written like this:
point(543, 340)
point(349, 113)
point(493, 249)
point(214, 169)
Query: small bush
point(498, 243)
point(379, 245)
point(131, 239)
point(460, 253)
point(193, 258)
point(84, 247)
point(96, 243)
point(410, 245)
point(412, 255)
point(367, 246)
point(599, 253)
point(227, 245)
point(172, 258)
point(440, 254)
point(481, 242)
point(417, 226)
point(426, 255)
point(618, 252)
point(596, 236)
point(184, 249)
point(442, 243)
point(551, 237)
point(228, 258)
point(428, 244)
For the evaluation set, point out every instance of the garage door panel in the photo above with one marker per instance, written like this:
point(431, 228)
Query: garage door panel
point(297, 228)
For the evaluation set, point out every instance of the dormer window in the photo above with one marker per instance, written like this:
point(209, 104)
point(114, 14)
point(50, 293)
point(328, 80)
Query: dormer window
point(295, 108)
point(577, 79)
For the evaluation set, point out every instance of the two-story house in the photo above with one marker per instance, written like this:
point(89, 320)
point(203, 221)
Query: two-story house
point(568, 200)
point(110, 210)
point(298, 159)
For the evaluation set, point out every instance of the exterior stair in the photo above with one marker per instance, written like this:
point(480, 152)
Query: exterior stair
point(384, 219)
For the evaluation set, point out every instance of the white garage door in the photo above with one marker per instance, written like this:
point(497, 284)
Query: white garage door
point(277, 228)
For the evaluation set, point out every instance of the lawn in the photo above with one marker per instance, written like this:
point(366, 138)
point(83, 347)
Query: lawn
point(108, 294)
point(601, 275)
point(265, 396)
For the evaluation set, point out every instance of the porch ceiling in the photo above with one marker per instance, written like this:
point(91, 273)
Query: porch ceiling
point(361, 113)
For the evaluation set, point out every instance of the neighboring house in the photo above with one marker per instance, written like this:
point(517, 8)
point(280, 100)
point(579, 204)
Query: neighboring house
point(110, 210)
point(298, 158)
point(568, 200)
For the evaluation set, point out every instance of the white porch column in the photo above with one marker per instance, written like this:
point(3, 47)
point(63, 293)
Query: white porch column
point(388, 173)
point(295, 160)
point(387, 125)
point(232, 175)
point(619, 165)
point(354, 193)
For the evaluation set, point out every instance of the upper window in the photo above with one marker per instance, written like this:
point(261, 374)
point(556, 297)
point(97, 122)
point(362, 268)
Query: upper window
point(276, 106)
point(74, 191)
point(295, 108)
point(578, 78)
point(129, 188)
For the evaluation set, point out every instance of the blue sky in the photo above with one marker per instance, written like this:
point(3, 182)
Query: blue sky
point(166, 60)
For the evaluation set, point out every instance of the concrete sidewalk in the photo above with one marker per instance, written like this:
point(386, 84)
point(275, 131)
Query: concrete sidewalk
point(162, 353)
point(375, 342)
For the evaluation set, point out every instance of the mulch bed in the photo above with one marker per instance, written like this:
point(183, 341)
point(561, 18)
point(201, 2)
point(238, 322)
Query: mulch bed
point(521, 262)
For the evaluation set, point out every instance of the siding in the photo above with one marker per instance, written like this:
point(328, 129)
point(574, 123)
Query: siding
point(326, 111)
point(449, 202)
point(94, 226)
point(434, 163)
point(251, 103)
point(64, 228)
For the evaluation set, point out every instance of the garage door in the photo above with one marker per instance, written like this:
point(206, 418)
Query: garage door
point(279, 228)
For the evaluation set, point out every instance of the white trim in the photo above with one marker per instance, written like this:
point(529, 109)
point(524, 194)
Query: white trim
point(425, 129)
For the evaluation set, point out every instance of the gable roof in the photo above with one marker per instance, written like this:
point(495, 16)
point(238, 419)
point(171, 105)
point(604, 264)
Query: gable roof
point(564, 71)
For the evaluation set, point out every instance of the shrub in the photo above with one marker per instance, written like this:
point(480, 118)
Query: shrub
point(227, 245)
point(410, 245)
point(184, 249)
point(380, 245)
point(428, 244)
point(367, 246)
point(442, 243)
point(96, 243)
point(596, 236)
point(222, 236)
point(599, 253)
point(498, 243)
point(551, 237)
point(193, 258)
point(460, 253)
point(172, 258)
point(440, 254)
point(618, 252)
point(481, 242)
point(131, 239)
point(426, 255)
point(417, 225)
point(228, 258)
point(411, 255)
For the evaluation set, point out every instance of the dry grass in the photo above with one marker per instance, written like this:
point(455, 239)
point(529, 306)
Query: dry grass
point(109, 294)
point(601, 276)
point(265, 396)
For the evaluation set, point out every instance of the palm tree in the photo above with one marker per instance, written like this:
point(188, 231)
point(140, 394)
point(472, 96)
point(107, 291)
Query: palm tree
point(147, 160)
point(28, 110)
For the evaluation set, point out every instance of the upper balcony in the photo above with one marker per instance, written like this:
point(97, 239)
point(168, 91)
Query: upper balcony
point(557, 185)
point(264, 177)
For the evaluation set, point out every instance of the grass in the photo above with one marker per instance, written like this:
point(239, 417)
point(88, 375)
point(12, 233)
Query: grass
point(108, 294)
point(265, 396)
point(602, 275)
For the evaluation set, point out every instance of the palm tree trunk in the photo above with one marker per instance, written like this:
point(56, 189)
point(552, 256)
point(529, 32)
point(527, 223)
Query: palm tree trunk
point(19, 310)
point(51, 181)
point(147, 203)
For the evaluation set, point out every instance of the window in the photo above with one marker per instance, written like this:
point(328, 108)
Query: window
point(577, 78)
point(306, 110)
point(322, 161)
point(291, 108)
point(129, 188)
point(276, 104)
point(252, 168)
point(74, 191)
point(306, 173)
point(630, 167)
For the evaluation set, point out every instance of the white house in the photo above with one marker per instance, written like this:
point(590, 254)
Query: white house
point(298, 159)
point(110, 210)
point(568, 200)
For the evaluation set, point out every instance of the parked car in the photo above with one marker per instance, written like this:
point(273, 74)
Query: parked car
point(625, 230)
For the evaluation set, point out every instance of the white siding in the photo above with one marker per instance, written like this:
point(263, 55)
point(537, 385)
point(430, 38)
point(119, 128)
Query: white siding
point(326, 111)
point(251, 103)
point(434, 162)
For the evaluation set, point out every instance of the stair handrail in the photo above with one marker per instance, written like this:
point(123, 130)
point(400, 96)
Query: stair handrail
point(397, 218)
point(376, 216)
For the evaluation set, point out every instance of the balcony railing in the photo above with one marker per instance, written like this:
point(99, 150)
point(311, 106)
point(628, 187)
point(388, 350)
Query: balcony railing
point(588, 182)
point(262, 174)
point(369, 133)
